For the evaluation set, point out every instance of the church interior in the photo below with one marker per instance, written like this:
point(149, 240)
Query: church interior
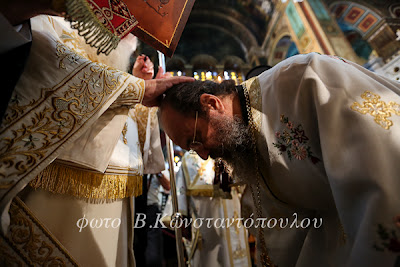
point(89, 176)
point(237, 39)
point(228, 38)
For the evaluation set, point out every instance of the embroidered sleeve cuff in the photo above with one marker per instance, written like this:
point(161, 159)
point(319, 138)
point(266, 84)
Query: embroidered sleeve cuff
point(132, 95)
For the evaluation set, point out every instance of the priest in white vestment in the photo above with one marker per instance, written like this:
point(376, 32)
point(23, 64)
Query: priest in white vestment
point(199, 198)
point(316, 138)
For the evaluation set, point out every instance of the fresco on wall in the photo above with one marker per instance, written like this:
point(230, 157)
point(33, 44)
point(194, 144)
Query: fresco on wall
point(319, 9)
point(285, 48)
point(359, 45)
point(295, 20)
point(367, 22)
point(339, 9)
point(357, 16)
point(354, 14)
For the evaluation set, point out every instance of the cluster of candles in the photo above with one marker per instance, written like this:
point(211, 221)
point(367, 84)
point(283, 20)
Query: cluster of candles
point(204, 75)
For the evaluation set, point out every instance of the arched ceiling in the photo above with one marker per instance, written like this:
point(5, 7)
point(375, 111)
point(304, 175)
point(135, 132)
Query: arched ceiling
point(209, 39)
point(382, 7)
point(223, 28)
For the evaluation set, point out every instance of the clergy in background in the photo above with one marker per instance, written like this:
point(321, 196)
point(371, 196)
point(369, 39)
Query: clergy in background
point(199, 198)
point(316, 138)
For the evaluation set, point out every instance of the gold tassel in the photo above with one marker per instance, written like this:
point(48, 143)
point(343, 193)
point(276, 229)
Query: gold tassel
point(89, 27)
point(61, 179)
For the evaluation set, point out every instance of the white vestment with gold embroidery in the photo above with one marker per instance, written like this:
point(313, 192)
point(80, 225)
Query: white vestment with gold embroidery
point(217, 244)
point(328, 140)
point(94, 134)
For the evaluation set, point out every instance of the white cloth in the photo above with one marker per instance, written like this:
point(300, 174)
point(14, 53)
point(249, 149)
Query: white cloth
point(216, 246)
point(104, 240)
point(322, 155)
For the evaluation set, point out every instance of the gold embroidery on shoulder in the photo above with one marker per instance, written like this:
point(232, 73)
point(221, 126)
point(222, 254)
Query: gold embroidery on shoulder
point(30, 141)
point(63, 52)
point(377, 108)
point(16, 109)
point(70, 39)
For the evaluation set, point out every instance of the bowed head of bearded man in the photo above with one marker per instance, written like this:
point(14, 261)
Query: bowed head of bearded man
point(206, 117)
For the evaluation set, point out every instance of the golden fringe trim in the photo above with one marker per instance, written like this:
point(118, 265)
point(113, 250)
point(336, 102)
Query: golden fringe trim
point(97, 187)
point(89, 27)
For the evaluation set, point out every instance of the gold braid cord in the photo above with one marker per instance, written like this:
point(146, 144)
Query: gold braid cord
point(265, 259)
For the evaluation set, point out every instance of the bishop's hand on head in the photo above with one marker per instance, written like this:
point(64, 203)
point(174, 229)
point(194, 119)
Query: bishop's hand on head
point(156, 87)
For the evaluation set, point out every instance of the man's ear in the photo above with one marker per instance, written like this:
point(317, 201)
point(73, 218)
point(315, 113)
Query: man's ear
point(211, 102)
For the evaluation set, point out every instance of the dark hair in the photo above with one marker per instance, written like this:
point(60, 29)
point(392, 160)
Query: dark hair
point(185, 97)
point(257, 71)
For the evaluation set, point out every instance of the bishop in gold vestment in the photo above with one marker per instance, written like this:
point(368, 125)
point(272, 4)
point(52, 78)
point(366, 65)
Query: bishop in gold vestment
point(71, 127)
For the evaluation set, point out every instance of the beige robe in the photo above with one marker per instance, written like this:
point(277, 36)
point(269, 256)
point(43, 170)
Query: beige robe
point(328, 143)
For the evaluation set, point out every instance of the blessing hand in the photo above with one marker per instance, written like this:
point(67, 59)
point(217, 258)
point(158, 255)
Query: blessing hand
point(143, 68)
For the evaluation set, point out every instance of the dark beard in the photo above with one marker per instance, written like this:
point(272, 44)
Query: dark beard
point(233, 135)
point(237, 146)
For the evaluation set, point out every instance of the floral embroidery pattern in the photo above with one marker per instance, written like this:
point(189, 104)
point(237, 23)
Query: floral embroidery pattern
point(63, 52)
point(377, 109)
point(68, 106)
point(389, 239)
point(31, 241)
point(293, 141)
